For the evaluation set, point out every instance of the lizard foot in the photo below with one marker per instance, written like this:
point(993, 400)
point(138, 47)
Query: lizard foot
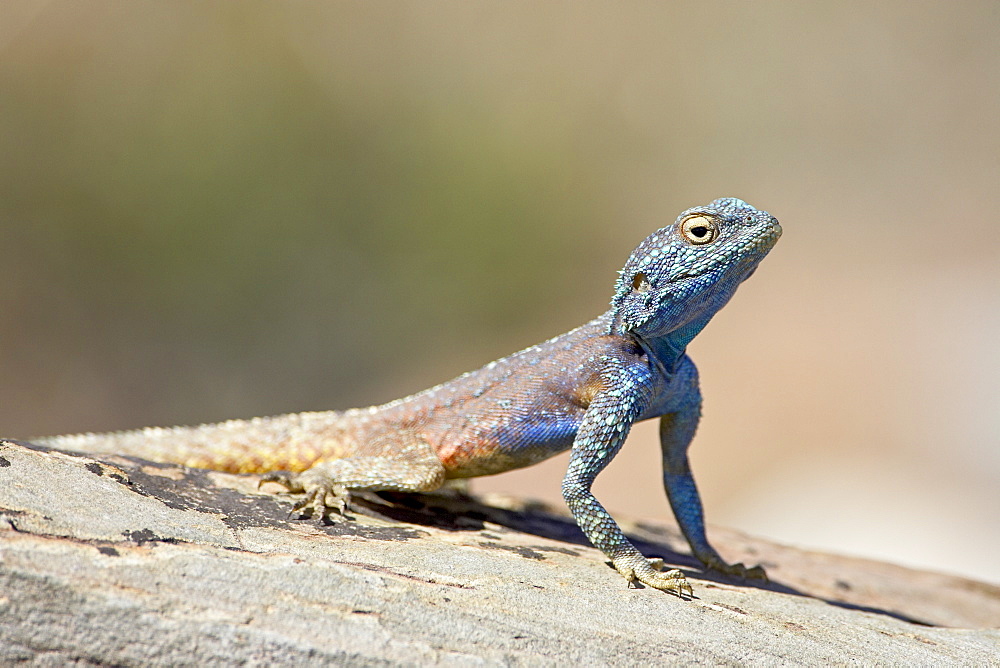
point(650, 572)
point(320, 493)
point(286, 479)
point(736, 570)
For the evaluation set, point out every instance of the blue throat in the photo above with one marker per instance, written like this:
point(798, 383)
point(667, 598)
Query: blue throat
point(666, 351)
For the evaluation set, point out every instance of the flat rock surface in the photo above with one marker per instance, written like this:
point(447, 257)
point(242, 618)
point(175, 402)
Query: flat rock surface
point(120, 561)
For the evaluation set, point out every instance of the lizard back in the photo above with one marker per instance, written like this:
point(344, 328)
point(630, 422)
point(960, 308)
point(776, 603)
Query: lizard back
point(467, 421)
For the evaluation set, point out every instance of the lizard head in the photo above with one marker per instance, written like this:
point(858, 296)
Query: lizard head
point(677, 278)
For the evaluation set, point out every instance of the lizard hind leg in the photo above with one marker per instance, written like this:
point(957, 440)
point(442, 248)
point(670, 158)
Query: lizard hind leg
point(402, 461)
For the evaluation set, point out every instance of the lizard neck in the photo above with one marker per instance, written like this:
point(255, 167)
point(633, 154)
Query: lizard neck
point(666, 351)
point(666, 347)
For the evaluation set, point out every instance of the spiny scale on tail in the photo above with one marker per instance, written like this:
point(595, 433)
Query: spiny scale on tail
point(291, 442)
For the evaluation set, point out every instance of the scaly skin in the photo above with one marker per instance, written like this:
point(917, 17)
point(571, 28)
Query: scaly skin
point(581, 390)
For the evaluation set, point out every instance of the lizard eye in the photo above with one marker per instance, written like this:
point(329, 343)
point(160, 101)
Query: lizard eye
point(699, 230)
point(640, 283)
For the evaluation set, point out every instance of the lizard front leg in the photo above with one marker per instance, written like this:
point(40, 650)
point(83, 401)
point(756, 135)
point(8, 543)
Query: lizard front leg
point(398, 462)
point(676, 431)
point(625, 390)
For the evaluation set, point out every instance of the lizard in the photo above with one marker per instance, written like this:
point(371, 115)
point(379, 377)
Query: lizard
point(582, 390)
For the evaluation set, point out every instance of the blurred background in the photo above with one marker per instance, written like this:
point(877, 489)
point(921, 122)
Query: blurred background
point(213, 210)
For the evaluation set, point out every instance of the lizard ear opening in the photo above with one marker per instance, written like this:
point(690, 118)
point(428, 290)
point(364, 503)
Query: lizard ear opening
point(640, 283)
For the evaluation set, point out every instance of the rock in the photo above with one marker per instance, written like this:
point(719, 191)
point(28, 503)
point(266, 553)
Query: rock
point(121, 561)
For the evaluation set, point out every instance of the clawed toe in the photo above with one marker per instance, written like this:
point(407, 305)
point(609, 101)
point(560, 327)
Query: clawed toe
point(650, 573)
point(286, 479)
point(322, 500)
point(755, 573)
point(672, 581)
point(739, 570)
point(311, 499)
point(319, 494)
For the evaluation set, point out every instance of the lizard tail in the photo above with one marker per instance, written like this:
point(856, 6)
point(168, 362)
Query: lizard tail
point(290, 442)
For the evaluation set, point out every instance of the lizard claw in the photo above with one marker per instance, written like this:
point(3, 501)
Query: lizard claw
point(322, 499)
point(737, 570)
point(754, 573)
point(286, 479)
point(650, 572)
point(672, 581)
point(320, 495)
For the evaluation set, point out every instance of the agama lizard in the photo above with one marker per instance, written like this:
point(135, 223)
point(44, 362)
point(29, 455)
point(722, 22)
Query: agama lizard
point(581, 390)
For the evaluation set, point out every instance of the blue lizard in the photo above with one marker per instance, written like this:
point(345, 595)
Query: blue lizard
point(581, 390)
